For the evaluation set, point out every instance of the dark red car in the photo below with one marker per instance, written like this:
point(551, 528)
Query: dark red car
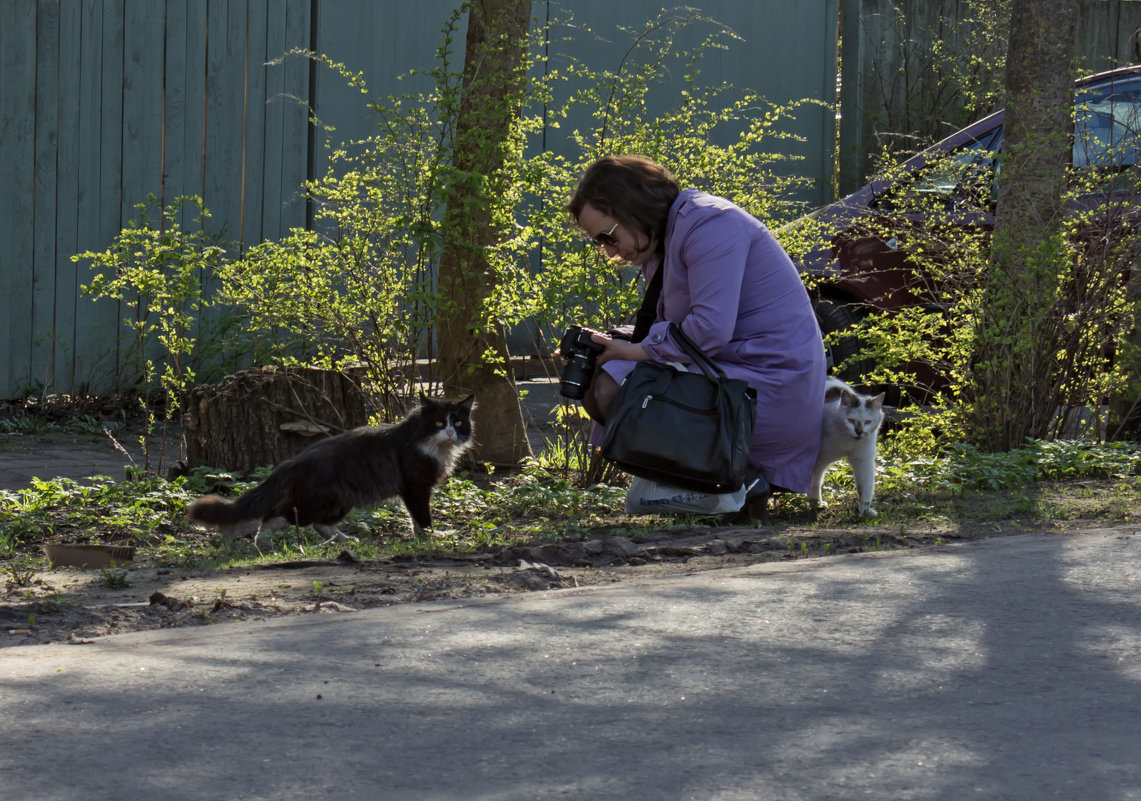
point(867, 262)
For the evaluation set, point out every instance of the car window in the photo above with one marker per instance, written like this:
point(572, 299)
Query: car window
point(1108, 125)
point(965, 172)
point(965, 175)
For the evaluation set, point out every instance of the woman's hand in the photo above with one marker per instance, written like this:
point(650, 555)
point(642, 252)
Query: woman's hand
point(618, 349)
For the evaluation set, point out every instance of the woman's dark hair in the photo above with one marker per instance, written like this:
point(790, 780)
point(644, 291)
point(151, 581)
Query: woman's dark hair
point(634, 190)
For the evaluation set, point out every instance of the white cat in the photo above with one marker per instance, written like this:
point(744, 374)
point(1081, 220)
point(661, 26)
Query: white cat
point(851, 422)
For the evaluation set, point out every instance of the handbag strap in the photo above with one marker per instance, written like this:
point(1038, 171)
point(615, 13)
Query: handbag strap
point(648, 311)
point(700, 358)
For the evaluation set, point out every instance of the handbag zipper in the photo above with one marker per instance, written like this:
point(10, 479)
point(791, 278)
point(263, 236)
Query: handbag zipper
point(646, 401)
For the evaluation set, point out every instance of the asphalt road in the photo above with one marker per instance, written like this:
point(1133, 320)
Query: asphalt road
point(1006, 669)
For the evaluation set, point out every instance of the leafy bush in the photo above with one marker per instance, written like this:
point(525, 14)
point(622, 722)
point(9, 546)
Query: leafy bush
point(156, 270)
point(361, 287)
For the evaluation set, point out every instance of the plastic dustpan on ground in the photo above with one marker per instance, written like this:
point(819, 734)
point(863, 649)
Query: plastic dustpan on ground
point(89, 556)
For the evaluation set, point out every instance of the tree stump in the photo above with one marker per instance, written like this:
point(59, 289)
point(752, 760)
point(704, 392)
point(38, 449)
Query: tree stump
point(263, 416)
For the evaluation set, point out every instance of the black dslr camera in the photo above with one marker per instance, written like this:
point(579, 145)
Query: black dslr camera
point(581, 353)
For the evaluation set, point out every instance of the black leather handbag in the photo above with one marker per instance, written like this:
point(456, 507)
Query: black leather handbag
point(686, 429)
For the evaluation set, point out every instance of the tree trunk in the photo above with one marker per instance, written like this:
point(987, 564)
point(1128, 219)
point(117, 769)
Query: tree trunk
point(1012, 395)
point(263, 416)
point(473, 354)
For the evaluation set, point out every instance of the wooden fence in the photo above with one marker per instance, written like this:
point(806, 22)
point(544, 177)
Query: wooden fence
point(104, 102)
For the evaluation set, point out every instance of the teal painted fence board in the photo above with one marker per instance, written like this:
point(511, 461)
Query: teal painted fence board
point(44, 197)
point(103, 352)
point(179, 112)
point(273, 190)
point(223, 145)
point(142, 144)
point(17, 220)
point(91, 169)
point(65, 283)
point(253, 140)
point(295, 119)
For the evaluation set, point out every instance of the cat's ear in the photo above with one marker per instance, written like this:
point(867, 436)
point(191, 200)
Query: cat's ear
point(849, 398)
point(467, 402)
point(876, 402)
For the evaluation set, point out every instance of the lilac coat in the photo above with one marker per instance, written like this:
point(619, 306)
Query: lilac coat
point(738, 296)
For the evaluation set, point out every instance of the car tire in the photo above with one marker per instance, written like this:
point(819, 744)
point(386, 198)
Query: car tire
point(832, 316)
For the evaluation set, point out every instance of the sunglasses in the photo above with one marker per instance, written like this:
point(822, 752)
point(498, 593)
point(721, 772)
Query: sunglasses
point(605, 239)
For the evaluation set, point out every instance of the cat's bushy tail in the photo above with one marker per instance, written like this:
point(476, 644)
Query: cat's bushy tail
point(214, 510)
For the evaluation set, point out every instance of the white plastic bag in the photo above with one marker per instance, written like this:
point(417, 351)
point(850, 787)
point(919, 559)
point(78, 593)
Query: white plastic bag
point(647, 497)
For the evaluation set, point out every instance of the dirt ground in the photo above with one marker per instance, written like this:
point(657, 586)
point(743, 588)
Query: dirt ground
point(76, 606)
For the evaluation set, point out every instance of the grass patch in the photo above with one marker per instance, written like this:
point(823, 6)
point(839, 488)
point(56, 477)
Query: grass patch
point(1042, 482)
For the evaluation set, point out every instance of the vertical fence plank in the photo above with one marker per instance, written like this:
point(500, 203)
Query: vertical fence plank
point(193, 133)
point(295, 111)
point(224, 69)
point(63, 337)
point(143, 48)
point(1105, 35)
point(40, 334)
point(104, 348)
point(194, 98)
point(94, 321)
point(17, 138)
point(177, 161)
point(273, 102)
point(183, 91)
point(99, 320)
point(253, 129)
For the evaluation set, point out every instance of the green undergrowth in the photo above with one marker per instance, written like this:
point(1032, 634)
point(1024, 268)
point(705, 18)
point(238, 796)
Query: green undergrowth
point(1045, 481)
point(1041, 481)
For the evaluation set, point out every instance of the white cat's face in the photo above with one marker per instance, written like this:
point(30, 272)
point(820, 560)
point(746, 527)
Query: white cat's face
point(861, 416)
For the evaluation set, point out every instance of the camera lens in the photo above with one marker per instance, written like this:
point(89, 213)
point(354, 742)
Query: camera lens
point(576, 377)
point(581, 353)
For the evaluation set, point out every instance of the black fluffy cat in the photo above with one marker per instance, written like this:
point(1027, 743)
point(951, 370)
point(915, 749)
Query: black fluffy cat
point(362, 467)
